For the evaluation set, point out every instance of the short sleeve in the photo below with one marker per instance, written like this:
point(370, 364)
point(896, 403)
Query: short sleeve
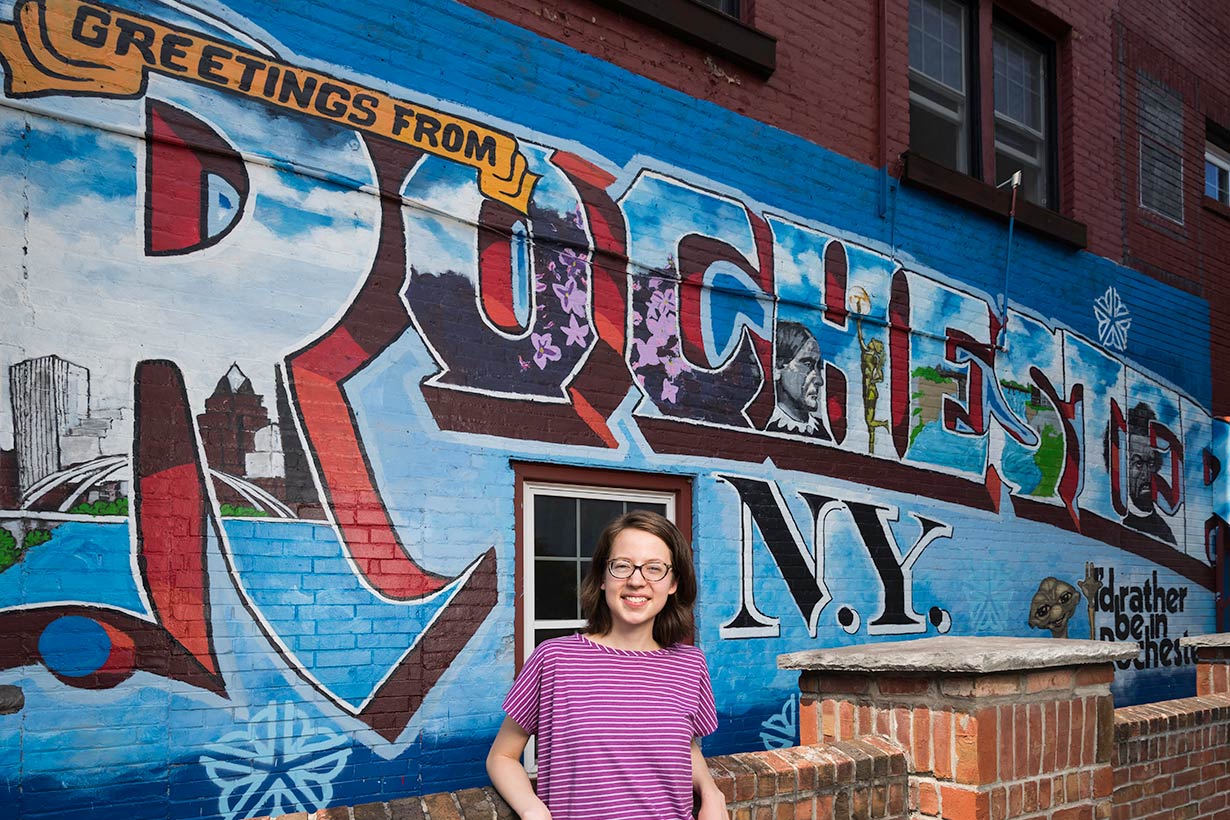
point(704, 719)
point(524, 698)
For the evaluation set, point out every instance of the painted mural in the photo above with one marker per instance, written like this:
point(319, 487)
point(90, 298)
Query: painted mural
point(278, 317)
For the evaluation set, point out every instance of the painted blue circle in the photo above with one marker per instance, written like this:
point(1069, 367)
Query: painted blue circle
point(74, 646)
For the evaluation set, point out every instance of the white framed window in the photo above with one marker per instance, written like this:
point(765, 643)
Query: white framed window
point(562, 523)
point(1217, 173)
point(1160, 115)
point(1021, 127)
point(939, 82)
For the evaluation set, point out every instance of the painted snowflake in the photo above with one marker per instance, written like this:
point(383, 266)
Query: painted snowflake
point(782, 730)
point(1113, 320)
point(280, 763)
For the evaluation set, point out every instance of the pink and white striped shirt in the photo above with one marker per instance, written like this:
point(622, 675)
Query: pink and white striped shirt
point(614, 727)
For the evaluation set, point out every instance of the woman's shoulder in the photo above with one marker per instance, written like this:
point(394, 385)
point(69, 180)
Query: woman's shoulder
point(557, 647)
point(687, 654)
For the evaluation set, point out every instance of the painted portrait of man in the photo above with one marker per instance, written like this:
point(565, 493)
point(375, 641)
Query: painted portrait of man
point(1143, 461)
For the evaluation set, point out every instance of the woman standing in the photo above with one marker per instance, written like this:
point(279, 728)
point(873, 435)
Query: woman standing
point(617, 709)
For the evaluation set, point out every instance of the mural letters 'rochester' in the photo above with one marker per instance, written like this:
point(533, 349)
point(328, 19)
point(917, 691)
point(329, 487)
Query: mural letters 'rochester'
point(278, 330)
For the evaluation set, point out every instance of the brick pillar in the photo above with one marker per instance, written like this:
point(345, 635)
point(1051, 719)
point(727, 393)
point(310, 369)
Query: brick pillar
point(1212, 662)
point(994, 728)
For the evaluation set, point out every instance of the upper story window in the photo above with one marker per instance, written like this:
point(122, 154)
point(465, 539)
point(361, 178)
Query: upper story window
point(1021, 103)
point(948, 67)
point(1160, 114)
point(722, 27)
point(1217, 172)
point(939, 68)
point(730, 7)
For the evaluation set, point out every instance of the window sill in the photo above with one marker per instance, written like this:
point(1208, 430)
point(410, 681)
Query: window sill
point(1215, 207)
point(705, 27)
point(974, 192)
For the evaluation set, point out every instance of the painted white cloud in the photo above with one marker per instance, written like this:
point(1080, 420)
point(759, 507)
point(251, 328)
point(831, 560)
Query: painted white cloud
point(93, 297)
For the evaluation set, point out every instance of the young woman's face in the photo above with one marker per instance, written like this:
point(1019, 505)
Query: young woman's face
point(636, 601)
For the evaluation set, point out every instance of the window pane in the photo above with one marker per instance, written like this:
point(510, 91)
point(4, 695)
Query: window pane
point(555, 590)
point(1020, 80)
point(937, 82)
point(1217, 172)
point(1027, 145)
point(937, 41)
point(595, 515)
point(555, 525)
point(1021, 138)
point(1033, 184)
point(937, 136)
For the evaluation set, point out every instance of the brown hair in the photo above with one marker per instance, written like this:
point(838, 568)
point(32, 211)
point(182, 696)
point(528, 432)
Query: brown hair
point(675, 622)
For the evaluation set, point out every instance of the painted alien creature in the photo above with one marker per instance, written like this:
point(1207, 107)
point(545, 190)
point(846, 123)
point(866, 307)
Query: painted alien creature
point(1053, 606)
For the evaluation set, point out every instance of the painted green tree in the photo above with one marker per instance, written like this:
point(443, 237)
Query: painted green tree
point(10, 553)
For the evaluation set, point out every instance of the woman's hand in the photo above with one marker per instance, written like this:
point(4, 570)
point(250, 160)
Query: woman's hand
point(712, 801)
point(508, 775)
point(713, 809)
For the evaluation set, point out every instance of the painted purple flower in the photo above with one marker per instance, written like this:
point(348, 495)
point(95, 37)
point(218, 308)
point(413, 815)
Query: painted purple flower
point(647, 353)
point(544, 350)
point(673, 366)
point(576, 333)
point(524, 364)
point(663, 302)
point(655, 283)
point(574, 264)
point(577, 218)
point(670, 391)
point(636, 320)
point(571, 298)
point(662, 327)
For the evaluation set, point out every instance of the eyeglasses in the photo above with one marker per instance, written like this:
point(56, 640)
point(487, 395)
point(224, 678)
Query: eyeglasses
point(650, 571)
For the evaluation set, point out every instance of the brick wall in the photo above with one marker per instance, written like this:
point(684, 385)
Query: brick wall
point(1172, 759)
point(849, 780)
point(1011, 744)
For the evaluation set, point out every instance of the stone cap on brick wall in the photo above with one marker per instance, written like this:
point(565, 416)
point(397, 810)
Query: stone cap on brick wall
point(960, 655)
point(1217, 640)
